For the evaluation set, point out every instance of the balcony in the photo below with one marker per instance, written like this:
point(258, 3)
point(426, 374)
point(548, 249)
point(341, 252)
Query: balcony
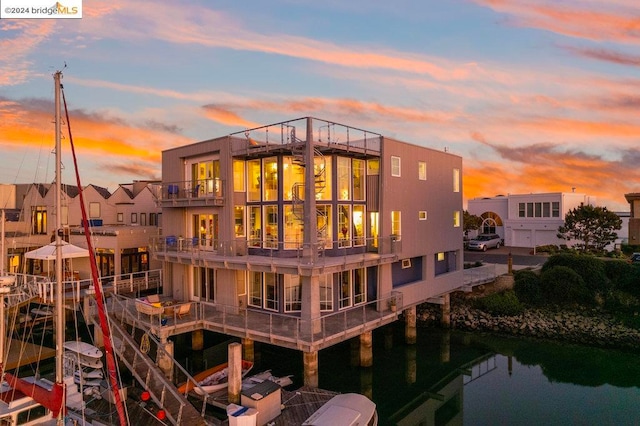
point(277, 256)
point(204, 192)
point(282, 330)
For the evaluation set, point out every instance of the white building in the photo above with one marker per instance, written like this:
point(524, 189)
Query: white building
point(527, 220)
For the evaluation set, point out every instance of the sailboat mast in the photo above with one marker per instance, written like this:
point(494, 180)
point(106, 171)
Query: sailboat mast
point(59, 302)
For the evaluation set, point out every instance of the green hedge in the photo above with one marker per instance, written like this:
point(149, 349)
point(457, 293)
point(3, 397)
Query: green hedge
point(590, 268)
point(563, 286)
point(505, 303)
point(527, 287)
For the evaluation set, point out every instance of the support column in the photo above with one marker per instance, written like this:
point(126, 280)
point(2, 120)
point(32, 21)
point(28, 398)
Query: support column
point(197, 340)
point(310, 361)
point(235, 373)
point(366, 382)
point(165, 358)
point(410, 331)
point(412, 365)
point(366, 349)
point(248, 350)
point(354, 345)
point(445, 320)
point(445, 347)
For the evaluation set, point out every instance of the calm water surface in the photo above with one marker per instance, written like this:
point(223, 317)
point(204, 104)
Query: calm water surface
point(457, 378)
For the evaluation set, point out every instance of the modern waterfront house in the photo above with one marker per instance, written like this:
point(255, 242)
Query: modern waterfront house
point(527, 220)
point(306, 233)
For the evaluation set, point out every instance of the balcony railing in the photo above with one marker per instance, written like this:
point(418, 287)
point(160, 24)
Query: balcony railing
point(212, 189)
point(286, 330)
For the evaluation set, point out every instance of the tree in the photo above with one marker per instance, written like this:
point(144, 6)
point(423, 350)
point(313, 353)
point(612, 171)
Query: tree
point(470, 222)
point(591, 227)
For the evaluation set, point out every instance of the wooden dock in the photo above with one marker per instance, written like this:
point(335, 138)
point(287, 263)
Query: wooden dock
point(22, 353)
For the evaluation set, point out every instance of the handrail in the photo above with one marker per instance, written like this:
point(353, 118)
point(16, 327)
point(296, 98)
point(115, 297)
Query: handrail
point(120, 303)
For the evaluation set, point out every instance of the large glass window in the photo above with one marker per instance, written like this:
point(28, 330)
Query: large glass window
point(324, 222)
point(292, 293)
point(555, 209)
point(238, 219)
point(254, 180)
point(373, 167)
point(204, 284)
point(206, 229)
point(255, 289)
point(322, 172)
point(293, 179)
point(344, 178)
point(255, 226)
point(293, 229)
point(271, 226)
point(238, 176)
point(326, 292)
point(396, 224)
point(359, 286)
point(358, 180)
point(358, 225)
point(344, 225)
point(271, 291)
point(521, 210)
point(344, 281)
point(270, 169)
point(94, 210)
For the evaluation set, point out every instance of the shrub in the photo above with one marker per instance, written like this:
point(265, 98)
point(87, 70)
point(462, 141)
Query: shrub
point(504, 303)
point(631, 281)
point(590, 268)
point(561, 285)
point(618, 272)
point(527, 287)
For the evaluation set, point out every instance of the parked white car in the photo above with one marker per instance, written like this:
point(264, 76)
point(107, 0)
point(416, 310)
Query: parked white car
point(483, 242)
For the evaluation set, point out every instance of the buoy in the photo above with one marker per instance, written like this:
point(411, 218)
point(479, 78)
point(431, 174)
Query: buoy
point(145, 396)
point(161, 414)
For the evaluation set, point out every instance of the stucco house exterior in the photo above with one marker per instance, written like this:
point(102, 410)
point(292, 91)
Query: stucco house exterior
point(311, 221)
point(122, 224)
point(527, 220)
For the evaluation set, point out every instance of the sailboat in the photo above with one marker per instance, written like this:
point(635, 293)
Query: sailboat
point(35, 400)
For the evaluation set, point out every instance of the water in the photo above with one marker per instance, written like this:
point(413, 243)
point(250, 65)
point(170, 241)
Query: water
point(458, 378)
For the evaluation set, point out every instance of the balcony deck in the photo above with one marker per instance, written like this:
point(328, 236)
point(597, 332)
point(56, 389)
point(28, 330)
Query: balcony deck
point(277, 329)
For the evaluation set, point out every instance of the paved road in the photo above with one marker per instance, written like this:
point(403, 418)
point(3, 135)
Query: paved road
point(520, 256)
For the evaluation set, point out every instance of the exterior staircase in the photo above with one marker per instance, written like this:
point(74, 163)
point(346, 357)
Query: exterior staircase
point(179, 410)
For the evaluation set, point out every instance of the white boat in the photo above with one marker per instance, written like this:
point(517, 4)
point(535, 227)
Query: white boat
point(213, 379)
point(82, 360)
point(347, 409)
point(78, 379)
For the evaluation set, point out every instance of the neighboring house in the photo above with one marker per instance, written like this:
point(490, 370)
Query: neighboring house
point(527, 220)
point(634, 220)
point(311, 220)
point(120, 240)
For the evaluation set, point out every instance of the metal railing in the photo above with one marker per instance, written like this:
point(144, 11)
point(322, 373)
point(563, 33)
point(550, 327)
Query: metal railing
point(211, 188)
point(308, 254)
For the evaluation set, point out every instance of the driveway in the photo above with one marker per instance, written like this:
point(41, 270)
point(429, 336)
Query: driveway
point(521, 256)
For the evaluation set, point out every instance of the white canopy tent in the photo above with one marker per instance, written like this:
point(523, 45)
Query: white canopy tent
point(48, 252)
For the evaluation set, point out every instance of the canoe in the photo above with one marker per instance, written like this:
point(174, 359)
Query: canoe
point(213, 379)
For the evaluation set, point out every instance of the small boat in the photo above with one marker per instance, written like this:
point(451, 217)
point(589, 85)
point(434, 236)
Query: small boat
point(251, 381)
point(86, 381)
point(83, 360)
point(213, 379)
point(347, 409)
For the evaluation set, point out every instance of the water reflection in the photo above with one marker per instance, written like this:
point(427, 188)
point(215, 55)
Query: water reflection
point(451, 378)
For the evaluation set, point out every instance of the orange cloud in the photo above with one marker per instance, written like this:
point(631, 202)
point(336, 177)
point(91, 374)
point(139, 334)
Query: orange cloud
point(618, 23)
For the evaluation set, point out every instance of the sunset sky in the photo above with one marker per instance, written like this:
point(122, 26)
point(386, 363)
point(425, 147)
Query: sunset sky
point(535, 95)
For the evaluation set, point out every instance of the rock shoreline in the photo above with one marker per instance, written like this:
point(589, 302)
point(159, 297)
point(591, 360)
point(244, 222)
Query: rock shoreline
point(590, 327)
